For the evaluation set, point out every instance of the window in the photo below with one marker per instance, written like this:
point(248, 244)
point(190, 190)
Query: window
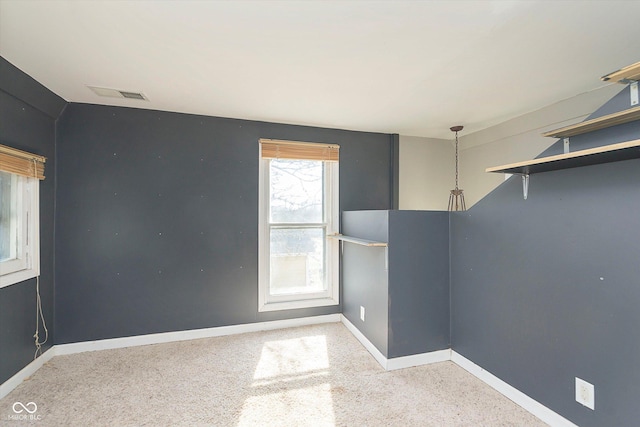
point(19, 207)
point(298, 208)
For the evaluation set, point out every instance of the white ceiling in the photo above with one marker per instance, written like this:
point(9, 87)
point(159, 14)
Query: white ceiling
point(408, 67)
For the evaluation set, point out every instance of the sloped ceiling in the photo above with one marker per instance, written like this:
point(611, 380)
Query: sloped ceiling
point(408, 67)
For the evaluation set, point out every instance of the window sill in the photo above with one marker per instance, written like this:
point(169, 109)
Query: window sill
point(17, 277)
point(292, 305)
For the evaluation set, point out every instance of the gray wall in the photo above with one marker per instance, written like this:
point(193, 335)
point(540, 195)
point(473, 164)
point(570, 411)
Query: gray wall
point(406, 306)
point(548, 289)
point(28, 113)
point(419, 282)
point(157, 217)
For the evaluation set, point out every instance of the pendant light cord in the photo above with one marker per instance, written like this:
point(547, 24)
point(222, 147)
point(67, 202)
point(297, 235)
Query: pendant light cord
point(456, 160)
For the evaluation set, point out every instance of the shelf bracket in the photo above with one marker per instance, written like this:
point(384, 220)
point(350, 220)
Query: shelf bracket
point(633, 89)
point(566, 145)
point(525, 185)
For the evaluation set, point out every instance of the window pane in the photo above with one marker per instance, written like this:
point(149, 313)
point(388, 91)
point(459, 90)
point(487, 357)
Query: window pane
point(296, 190)
point(8, 212)
point(297, 261)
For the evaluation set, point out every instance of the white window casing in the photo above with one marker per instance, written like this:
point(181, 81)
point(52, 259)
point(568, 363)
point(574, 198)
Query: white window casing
point(271, 301)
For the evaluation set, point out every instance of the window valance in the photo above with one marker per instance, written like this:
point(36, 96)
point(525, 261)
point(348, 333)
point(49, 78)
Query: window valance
point(21, 162)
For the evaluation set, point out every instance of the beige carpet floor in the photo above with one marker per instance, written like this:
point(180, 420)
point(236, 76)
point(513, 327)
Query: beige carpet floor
point(309, 376)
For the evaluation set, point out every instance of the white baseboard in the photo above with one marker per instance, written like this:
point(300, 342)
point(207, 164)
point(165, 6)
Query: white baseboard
point(534, 407)
point(418, 359)
point(26, 372)
point(81, 347)
point(193, 334)
point(365, 342)
point(397, 362)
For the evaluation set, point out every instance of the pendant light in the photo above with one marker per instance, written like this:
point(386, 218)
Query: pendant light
point(456, 198)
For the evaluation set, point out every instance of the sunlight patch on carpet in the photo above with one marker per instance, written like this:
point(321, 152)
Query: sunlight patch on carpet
point(291, 380)
point(292, 357)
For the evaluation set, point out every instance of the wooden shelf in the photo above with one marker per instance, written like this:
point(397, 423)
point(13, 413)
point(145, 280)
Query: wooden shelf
point(593, 156)
point(603, 122)
point(624, 75)
point(357, 241)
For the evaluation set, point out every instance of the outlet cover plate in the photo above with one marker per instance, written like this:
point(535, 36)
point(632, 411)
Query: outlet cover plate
point(362, 313)
point(585, 394)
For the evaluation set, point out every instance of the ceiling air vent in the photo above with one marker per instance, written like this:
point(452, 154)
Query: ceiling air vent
point(115, 93)
point(132, 95)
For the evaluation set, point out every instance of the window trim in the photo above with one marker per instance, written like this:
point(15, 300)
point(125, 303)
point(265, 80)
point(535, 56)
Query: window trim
point(330, 297)
point(28, 263)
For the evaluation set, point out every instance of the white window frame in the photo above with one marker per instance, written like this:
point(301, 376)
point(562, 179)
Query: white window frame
point(331, 296)
point(26, 261)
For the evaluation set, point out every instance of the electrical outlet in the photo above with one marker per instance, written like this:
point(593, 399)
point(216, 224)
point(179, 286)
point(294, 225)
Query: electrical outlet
point(585, 394)
point(362, 313)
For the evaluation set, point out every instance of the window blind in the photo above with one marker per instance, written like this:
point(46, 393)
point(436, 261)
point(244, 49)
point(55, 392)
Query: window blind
point(21, 163)
point(278, 149)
